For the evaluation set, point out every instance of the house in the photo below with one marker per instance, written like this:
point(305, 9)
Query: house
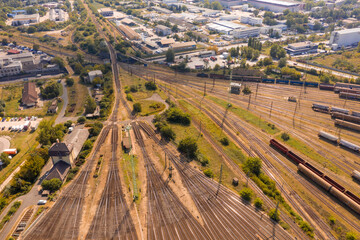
point(59, 170)
point(29, 95)
point(61, 152)
point(162, 30)
point(53, 107)
point(94, 74)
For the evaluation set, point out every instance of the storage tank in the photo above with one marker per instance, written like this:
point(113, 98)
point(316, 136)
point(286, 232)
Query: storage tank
point(328, 136)
point(356, 174)
point(10, 151)
point(314, 177)
point(349, 145)
point(345, 199)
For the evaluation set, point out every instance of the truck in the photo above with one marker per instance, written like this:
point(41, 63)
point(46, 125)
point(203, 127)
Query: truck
point(27, 125)
point(34, 127)
point(10, 151)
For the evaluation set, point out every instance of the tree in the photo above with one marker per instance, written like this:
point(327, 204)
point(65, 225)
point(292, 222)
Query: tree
point(36, 47)
point(216, 5)
point(90, 105)
point(81, 120)
point(31, 29)
point(4, 157)
point(285, 136)
point(175, 28)
point(176, 115)
point(274, 215)
point(150, 85)
point(246, 194)
point(216, 67)
point(51, 90)
point(258, 202)
point(209, 173)
point(31, 10)
point(267, 61)
point(69, 82)
point(246, 90)
point(188, 146)
point(48, 133)
point(167, 133)
point(282, 63)
point(137, 107)
point(4, 41)
point(252, 165)
point(59, 61)
point(225, 141)
point(52, 185)
point(31, 169)
point(170, 55)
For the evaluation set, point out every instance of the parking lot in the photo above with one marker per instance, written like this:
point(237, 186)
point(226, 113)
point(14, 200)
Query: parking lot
point(9, 125)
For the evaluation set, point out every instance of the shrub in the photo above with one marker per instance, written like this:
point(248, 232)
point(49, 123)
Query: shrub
point(51, 185)
point(246, 194)
point(188, 146)
point(305, 226)
point(167, 133)
point(69, 82)
point(285, 136)
point(246, 90)
point(137, 107)
point(68, 124)
point(332, 220)
point(351, 236)
point(129, 97)
point(81, 120)
point(258, 203)
point(252, 165)
point(225, 141)
point(274, 215)
point(209, 173)
point(175, 115)
point(133, 88)
point(151, 86)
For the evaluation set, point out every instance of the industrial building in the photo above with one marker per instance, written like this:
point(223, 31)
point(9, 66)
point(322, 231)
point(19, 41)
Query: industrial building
point(183, 46)
point(128, 32)
point(344, 38)
point(225, 27)
point(277, 5)
point(22, 19)
point(106, 12)
point(251, 20)
point(10, 68)
point(228, 3)
point(246, 32)
point(301, 48)
point(27, 60)
point(93, 74)
point(162, 30)
point(57, 15)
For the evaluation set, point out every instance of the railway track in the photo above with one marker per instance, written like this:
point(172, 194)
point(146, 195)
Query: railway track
point(112, 219)
point(225, 215)
point(63, 219)
point(167, 217)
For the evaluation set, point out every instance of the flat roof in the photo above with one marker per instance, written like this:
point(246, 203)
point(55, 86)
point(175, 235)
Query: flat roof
point(25, 17)
point(184, 44)
point(106, 10)
point(278, 2)
point(351, 30)
point(218, 27)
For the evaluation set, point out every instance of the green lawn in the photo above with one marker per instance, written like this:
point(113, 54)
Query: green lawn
point(150, 107)
point(246, 115)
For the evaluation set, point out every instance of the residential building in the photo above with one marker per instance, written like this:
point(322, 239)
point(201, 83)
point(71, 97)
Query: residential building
point(347, 37)
point(183, 46)
point(162, 30)
point(93, 74)
point(53, 107)
point(22, 19)
point(57, 15)
point(106, 12)
point(277, 5)
point(251, 20)
point(301, 48)
point(29, 95)
point(246, 32)
point(60, 151)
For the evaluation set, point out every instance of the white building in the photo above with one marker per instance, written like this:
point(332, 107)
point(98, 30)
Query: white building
point(106, 12)
point(251, 20)
point(10, 68)
point(246, 32)
point(94, 74)
point(57, 15)
point(277, 5)
point(163, 30)
point(225, 27)
point(23, 19)
point(345, 37)
point(27, 59)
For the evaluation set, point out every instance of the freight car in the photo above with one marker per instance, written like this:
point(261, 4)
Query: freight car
point(346, 124)
point(203, 75)
point(352, 96)
point(347, 85)
point(268, 80)
point(219, 76)
point(325, 86)
point(349, 145)
point(320, 108)
point(356, 174)
point(282, 81)
point(311, 84)
point(298, 83)
point(347, 90)
point(356, 114)
point(328, 136)
point(346, 117)
point(331, 186)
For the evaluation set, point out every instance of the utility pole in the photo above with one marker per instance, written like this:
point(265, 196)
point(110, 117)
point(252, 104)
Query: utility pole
point(213, 84)
point(294, 116)
point(257, 87)
point(221, 168)
point(205, 89)
point(271, 108)
point(249, 102)
point(165, 160)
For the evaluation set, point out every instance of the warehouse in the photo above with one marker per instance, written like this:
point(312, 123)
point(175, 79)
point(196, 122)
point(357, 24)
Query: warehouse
point(225, 27)
point(183, 46)
point(251, 20)
point(247, 32)
point(21, 19)
point(277, 5)
point(301, 48)
point(344, 38)
point(106, 12)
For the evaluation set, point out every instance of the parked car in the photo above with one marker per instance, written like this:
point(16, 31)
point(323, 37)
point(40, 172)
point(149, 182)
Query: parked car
point(42, 202)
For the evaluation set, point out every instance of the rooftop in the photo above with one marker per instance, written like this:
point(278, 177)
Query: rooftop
point(25, 17)
point(278, 2)
point(351, 30)
point(29, 95)
point(95, 73)
point(60, 149)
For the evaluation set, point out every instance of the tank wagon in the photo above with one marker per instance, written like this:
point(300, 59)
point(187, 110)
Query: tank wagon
point(352, 96)
point(320, 108)
point(346, 124)
point(349, 145)
point(337, 141)
point(356, 174)
point(347, 85)
point(328, 136)
point(327, 183)
point(350, 118)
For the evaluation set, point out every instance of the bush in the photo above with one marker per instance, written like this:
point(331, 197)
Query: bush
point(175, 115)
point(246, 90)
point(68, 124)
point(137, 107)
point(225, 141)
point(274, 215)
point(52, 90)
point(209, 173)
point(51, 185)
point(129, 97)
point(81, 120)
point(305, 226)
point(133, 88)
point(167, 133)
point(151, 86)
point(258, 203)
point(188, 147)
point(253, 166)
point(285, 137)
point(246, 194)
point(69, 82)
point(351, 236)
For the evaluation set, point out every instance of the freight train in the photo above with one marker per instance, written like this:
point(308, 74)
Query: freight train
point(348, 125)
point(328, 109)
point(356, 174)
point(350, 96)
point(339, 141)
point(331, 186)
point(350, 118)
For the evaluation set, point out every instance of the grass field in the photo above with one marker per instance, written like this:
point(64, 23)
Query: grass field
point(77, 95)
point(150, 107)
point(352, 57)
point(246, 115)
